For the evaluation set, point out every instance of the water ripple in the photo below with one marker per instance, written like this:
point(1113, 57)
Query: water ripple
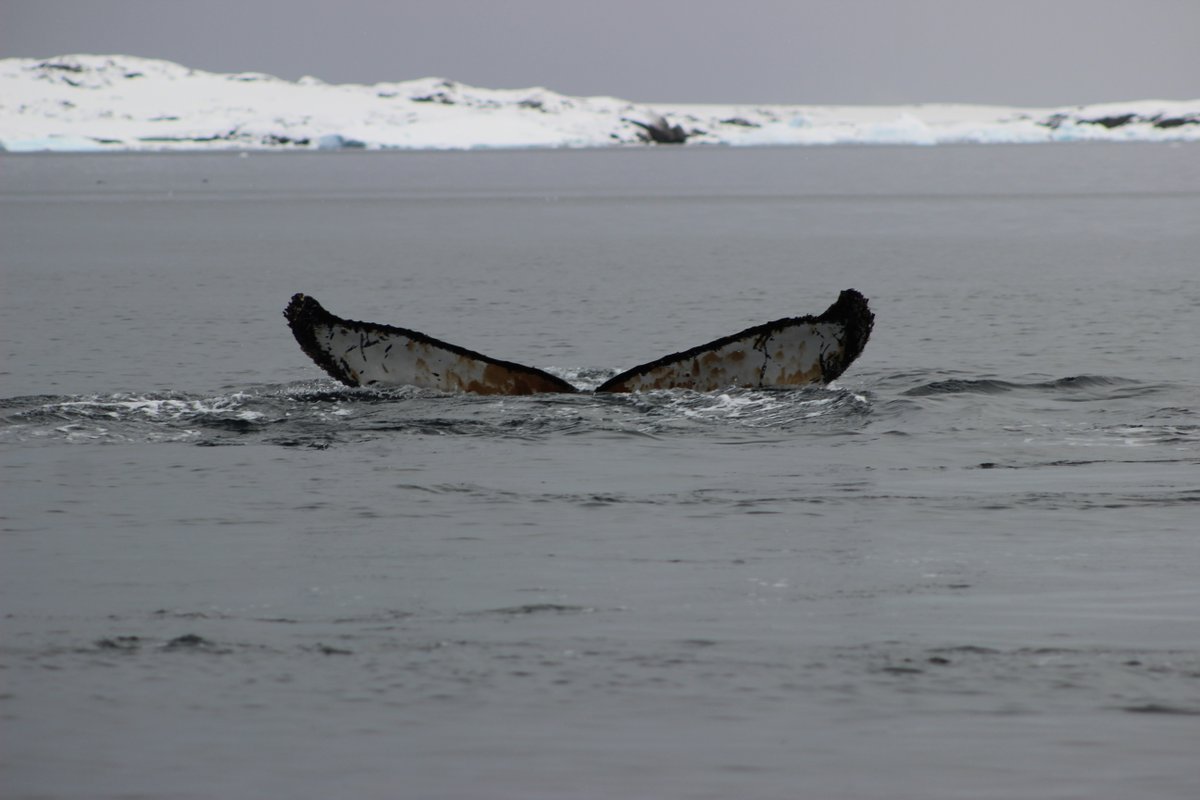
point(323, 414)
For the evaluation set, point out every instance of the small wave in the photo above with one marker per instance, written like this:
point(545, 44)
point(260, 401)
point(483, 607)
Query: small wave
point(321, 415)
point(533, 608)
point(961, 386)
point(1162, 708)
point(748, 408)
point(1135, 435)
point(1082, 386)
point(162, 417)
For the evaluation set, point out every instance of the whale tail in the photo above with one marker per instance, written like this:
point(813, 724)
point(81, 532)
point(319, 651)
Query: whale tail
point(788, 352)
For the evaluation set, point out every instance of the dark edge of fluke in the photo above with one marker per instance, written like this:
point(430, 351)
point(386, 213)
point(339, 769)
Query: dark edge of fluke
point(304, 314)
point(850, 310)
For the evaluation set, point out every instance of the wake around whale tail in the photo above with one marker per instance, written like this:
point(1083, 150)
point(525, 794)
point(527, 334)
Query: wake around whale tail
point(788, 352)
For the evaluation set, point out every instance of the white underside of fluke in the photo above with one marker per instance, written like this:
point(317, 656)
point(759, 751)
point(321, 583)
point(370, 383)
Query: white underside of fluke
point(377, 357)
point(789, 356)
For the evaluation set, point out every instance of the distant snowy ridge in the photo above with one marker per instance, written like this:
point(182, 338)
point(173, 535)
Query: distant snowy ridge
point(92, 102)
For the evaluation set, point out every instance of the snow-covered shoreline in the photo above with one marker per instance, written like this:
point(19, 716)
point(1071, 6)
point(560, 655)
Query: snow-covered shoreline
point(127, 103)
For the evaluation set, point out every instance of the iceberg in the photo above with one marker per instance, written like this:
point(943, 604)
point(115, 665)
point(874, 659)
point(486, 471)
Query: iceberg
point(128, 103)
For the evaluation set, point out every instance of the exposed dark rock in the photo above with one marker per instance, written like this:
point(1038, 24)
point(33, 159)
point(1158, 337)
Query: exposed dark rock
point(659, 131)
point(276, 138)
point(1112, 122)
point(1054, 121)
point(439, 96)
point(59, 65)
point(1175, 122)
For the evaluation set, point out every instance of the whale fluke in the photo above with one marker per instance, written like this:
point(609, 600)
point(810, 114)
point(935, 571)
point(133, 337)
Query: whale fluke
point(788, 352)
point(794, 351)
point(368, 354)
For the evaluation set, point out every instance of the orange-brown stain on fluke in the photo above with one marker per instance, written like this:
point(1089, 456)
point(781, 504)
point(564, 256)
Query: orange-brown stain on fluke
point(800, 377)
point(497, 379)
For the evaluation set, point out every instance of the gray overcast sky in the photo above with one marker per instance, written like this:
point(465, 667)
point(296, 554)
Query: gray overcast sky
point(1015, 52)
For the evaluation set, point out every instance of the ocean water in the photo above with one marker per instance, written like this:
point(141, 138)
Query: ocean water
point(966, 569)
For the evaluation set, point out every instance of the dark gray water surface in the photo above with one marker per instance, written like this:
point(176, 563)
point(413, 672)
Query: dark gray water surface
point(967, 569)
